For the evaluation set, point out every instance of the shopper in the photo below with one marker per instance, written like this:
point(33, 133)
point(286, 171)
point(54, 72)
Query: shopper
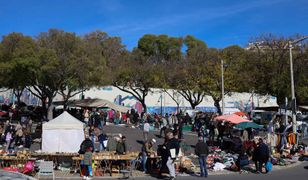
point(147, 151)
point(202, 152)
point(146, 130)
point(261, 155)
point(173, 150)
point(87, 160)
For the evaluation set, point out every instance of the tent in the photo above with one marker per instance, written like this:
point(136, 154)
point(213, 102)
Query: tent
point(245, 125)
point(232, 118)
point(62, 134)
point(99, 103)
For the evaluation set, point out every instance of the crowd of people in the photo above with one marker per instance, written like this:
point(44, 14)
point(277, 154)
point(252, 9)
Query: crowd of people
point(15, 136)
point(210, 133)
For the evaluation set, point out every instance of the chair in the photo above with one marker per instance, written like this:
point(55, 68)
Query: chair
point(128, 172)
point(46, 169)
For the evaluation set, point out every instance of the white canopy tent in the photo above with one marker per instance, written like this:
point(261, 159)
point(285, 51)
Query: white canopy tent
point(62, 134)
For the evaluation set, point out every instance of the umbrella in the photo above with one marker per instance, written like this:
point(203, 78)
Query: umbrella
point(232, 118)
point(240, 113)
point(245, 125)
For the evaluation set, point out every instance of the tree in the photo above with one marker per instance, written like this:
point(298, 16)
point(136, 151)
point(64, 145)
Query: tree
point(136, 79)
point(160, 49)
point(301, 76)
point(189, 74)
point(104, 54)
point(16, 55)
point(268, 65)
point(175, 96)
point(140, 70)
point(44, 80)
point(233, 57)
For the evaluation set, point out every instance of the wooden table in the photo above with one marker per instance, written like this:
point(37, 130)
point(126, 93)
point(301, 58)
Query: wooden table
point(108, 158)
point(53, 156)
point(14, 160)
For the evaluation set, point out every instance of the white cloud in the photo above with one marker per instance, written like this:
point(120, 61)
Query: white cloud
point(202, 15)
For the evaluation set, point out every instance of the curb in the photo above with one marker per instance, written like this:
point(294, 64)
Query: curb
point(211, 173)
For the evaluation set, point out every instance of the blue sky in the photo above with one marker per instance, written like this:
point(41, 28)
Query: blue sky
point(219, 23)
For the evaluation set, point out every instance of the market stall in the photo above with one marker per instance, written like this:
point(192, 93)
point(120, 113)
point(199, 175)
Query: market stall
point(62, 134)
point(99, 103)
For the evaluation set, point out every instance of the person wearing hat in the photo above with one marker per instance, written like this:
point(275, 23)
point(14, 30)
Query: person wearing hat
point(121, 145)
point(202, 150)
point(147, 150)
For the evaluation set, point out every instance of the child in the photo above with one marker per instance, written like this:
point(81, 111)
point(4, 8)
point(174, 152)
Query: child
point(88, 163)
point(8, 139)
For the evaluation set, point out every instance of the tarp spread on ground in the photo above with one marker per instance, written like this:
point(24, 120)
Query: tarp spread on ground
point(62, 134)
point(100, 103)
point(231, 118)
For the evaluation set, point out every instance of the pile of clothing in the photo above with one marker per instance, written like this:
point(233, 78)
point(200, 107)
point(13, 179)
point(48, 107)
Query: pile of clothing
point(218, 160)
point(229, 159)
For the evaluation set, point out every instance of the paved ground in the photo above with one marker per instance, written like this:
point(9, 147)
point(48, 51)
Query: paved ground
point(298, 172)
point(134, 137)
point(295, 172)
point(4, 175)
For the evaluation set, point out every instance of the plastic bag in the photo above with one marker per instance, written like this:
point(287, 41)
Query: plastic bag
point(268, 166)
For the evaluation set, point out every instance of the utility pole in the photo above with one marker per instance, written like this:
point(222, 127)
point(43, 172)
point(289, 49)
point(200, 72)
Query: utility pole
point(222, 88)
point(292, 89)
point(286, 111)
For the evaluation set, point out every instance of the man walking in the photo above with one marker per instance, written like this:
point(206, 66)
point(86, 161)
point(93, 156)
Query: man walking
point(202, 151)
point(173, 149)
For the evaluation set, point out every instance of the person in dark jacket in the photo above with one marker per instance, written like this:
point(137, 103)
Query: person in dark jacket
point(173, 148)
point(261, 155)
point(85, 145)
point(202, 150)
point(163, 152)
point(242, 160)
point(121, 146)
point(102, 138)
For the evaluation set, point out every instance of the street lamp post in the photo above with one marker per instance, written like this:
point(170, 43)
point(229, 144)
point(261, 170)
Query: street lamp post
point(292, 89)
point(222, 88)
point(161, 104)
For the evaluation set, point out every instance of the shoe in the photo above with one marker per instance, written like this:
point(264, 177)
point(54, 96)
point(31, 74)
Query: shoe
point(21, 146)
point(88, 178)
point(160, 176)
point(84, 177)
point(172, 178)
